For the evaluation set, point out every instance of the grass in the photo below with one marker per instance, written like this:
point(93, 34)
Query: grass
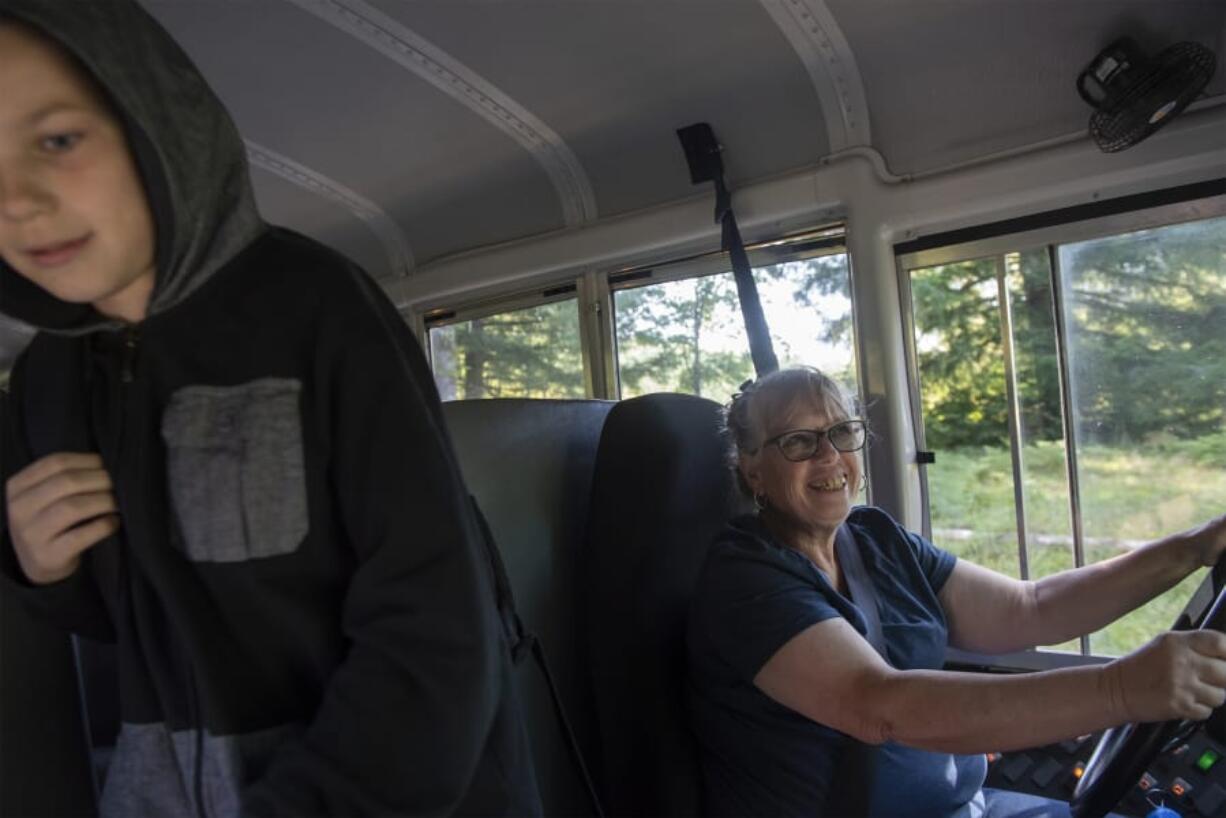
point(1129, 496)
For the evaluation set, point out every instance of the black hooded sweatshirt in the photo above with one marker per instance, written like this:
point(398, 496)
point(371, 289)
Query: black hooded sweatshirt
point(303, 616)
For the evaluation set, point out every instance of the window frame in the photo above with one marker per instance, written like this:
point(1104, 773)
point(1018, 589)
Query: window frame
point(593, 290)
point(484, 308)
point(1048, 239)
point(827, 240)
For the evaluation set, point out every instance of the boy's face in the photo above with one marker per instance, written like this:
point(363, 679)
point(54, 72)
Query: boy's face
point(73, 214)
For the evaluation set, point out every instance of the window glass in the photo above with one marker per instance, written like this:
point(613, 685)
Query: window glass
point(688, 335)
point(1146, 321)
point(1041, 458)
point(528, 353)
point(965, 412)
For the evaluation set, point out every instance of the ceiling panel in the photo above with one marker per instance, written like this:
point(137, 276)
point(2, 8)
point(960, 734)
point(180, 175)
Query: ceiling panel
point(616, 78)
point(323, 220)
point(951, 80)
point(324, 99)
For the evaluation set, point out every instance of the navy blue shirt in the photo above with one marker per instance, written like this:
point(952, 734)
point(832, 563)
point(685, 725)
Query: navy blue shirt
point(762, 758)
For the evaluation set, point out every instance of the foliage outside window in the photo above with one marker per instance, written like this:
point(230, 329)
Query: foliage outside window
point(526, 353)
point(1145, 326)
point(688, 335)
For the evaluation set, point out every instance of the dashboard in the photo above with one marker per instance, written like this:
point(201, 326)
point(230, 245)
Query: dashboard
point(1190, 778)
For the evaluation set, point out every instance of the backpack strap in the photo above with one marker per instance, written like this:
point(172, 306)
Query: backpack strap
point(523, 642)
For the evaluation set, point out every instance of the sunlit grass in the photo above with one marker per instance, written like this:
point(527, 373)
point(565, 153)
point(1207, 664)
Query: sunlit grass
point(1128, 497)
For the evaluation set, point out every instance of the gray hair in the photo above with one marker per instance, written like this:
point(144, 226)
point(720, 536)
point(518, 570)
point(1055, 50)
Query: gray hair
point(773, 394)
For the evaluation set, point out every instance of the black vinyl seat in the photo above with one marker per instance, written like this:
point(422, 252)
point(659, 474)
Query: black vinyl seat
point(529, 464)
point(660, 493)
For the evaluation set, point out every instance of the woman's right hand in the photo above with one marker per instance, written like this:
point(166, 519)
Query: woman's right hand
point(1177, 675)
point(58, 507)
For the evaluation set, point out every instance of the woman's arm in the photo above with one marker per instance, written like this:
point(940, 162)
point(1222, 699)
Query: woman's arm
point(991, 613)
point(829, 674)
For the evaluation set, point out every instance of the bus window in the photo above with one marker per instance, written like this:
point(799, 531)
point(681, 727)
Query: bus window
point(532, 352)
point(1146, 320)
point(1075, 395)
point(687, 335)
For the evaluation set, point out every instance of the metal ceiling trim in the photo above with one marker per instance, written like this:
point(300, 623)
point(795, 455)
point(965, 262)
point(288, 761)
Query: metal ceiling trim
point(391, 237)
point(819, 42)
point(429, 62)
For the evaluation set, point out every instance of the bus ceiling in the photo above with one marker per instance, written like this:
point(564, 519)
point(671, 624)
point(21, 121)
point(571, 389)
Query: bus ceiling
point(458, 148)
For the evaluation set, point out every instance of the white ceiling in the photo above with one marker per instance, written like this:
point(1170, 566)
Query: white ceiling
point(950, 80)
point(341, 88)
point(368, 119)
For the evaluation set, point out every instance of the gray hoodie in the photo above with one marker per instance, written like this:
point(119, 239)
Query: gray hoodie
point(299, 599)
point(188, 151)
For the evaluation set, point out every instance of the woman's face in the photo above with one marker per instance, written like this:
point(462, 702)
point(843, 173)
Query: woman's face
point(811, 495)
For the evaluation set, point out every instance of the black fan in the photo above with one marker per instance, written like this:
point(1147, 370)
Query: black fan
point(1134, 95)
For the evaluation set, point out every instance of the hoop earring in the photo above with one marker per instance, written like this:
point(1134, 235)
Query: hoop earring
point(759, 502)
point(863, 483)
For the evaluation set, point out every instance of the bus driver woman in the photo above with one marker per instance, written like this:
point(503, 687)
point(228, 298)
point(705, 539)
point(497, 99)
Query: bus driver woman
point(781, 664)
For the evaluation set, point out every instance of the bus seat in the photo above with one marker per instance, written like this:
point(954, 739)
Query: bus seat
point(660, 493)
point(529, 464)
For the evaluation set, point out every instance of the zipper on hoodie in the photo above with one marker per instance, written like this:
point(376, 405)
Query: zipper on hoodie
point(131, 342)
point(127, 375)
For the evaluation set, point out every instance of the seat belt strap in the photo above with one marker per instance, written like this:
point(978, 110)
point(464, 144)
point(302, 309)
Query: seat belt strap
point(702, 153)
point(855, 769)
point(863, 594)
point(760, 347)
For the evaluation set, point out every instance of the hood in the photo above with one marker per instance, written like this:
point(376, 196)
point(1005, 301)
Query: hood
point(187, 149)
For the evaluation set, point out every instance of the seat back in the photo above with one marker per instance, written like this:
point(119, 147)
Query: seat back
point(529, 464)
point(660, 493)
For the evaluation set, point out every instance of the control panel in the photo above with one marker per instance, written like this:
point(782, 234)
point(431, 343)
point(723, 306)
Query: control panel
point(1190, 778)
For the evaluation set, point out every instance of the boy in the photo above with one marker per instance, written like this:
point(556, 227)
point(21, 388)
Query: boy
point(227, 455)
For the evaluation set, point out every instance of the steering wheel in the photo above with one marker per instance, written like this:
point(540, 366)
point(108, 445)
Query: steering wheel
point(1123, 753)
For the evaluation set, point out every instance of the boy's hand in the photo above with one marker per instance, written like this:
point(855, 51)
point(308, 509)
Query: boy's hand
point(57, 508)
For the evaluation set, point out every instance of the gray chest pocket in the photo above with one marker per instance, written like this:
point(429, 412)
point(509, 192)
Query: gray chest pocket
point(237, 480)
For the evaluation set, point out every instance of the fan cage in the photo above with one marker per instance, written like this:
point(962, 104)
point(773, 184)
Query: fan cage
point(1176, 75)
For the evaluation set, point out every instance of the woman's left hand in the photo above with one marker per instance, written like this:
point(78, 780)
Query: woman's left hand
point(1208, 541)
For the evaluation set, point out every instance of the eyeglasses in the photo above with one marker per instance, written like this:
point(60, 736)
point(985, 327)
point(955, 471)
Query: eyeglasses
point(801, 444)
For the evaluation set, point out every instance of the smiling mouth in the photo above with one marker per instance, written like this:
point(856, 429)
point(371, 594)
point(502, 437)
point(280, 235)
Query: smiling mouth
point(53, 255)
point(833, 484)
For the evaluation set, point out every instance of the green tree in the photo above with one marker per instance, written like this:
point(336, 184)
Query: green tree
point(665, 334)
point(533, 353)
point(961, 360)
point(1147, 326)
point(1146, 321)
point(817, 285)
